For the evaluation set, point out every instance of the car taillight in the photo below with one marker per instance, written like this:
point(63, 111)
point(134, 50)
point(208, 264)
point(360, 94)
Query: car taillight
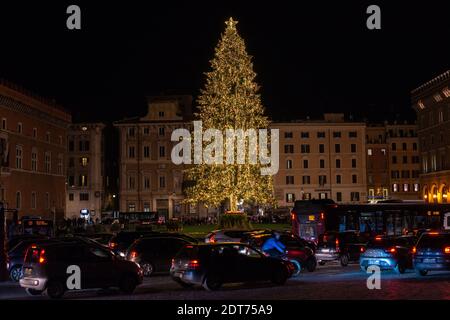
point(42, 257)
point(337, 245)
point(322, 216)
point(292, 215)
point(414, 250)
point(194, 264)
point(212, 238)
point(112, 245)
point(362, 249)
point(391, 250)
point(173, 263)
point(447, 249)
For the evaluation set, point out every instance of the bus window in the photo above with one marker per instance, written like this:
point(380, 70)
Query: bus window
point(308, 231)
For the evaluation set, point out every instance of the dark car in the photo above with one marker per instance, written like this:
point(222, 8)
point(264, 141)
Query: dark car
point(388, 253)
point(154, 254)
point(212, 265)
point(46, 267)
point(120, 242)
point(16, 239)
point(296, 248)
point(102, 238)
point(344, 247)
point(432, 252)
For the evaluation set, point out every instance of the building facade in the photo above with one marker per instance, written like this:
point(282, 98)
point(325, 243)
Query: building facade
point(149, 180)
point(33, 144)
point(431, 101)
point(85, 170)
point(378, 179)
point(321, 160)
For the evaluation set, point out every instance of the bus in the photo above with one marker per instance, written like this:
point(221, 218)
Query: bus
point(311, 218)
point(36, 226)
point(143, 218)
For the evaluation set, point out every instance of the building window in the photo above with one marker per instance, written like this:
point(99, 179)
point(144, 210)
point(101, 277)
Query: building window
point(369, 152)
point(306, 179)
point(353, 163)
point(131, 183)
point(19, 127)
point(354, 178)
point(131, 152)
point(404, 147)
point(352, 134)
point(146, 152)
point(71, 145)
point(305, 164)
point(304, 148)
point(288, 148)
point(322, 180)
point(71, 162)
point(290, 197)
point(33, 200)
point(4, 124)
point(338, 179)
point(146, 131)
point(19, 153)
point(71, 181)
point(71, 197)
point(353, 148)
point(48, 162)
point(47, 200)
point(338, 163)
point(304, 135)
point(162, 151)
point(82, 180)
point(354, 196)
point(84, 145)
point(161, 131)
point(289, 164)
point(131, 132)
point(405, 174)
point(414, 146)
point(162, 182)
point(34, 133)
point(84, 196)
point(288, 135)
point(147, 207)
point(321, 134)
point(416, 187)
point(321, 148)
point(395, 187)
point(336, 134)
point(131, 207)
point(405, 159)
point(383, 151)
point(59, 167)
point(338, 196)
point(161, 114)
point(289, 179)
point(440, 116)
point(337, 148)
point(405, 187)
point(322, 163)
point(84, 161)
point(323, 195)
point(394, 146)
point(34, 160)
point(146, 183)
point(18, 200)
point(47, 136)
point(394, 159)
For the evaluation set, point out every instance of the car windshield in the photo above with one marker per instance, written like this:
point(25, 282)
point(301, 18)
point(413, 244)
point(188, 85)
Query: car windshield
point(434, 241)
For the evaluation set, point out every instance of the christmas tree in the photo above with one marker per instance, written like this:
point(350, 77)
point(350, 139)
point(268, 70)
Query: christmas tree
point(230, 100)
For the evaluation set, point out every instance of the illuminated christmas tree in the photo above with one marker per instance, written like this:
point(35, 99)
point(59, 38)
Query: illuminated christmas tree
point(230, 100)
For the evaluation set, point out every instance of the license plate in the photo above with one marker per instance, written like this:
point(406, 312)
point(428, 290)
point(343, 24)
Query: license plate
point(374, 262)
point(429, 260)
point(325, 250)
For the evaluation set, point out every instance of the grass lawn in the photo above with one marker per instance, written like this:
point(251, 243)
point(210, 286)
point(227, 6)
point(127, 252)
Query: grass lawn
point(203, 230)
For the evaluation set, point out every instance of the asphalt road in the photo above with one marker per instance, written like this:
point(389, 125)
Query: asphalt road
point(327, 282)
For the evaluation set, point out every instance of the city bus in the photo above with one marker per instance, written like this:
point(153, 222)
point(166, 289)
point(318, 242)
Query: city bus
point(143, 218)
point(311, 218)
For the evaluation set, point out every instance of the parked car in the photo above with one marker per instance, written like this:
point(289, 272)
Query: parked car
point(432, 252)
point(225, 236)
point(388, 253)
point(154, 254)
point(211, 265)
point(344, 247)
point(45, 268)
point(296, 248)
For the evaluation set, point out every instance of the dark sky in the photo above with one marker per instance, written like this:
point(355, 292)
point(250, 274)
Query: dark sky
point(311, 57)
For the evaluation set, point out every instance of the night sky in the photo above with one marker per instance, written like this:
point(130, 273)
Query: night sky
point(310, 58)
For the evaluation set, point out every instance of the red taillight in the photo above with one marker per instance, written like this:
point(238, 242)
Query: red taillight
point(414, 250)
point(194, 264)
point(378, 238)
point(362, 249)
point(433, 233)
point(42, 256)
point(212, 238)
point(447, 249)
point(112, 245)
point(322, 216)
point(337, 245)
point(292, 215)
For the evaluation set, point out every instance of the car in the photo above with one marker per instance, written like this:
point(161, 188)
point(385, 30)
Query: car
point(16, 239)
point(432, 253)
point(388, 253)
point(120, 242)
point(102, 238)
point(46, 268)
point(213, 264)
point(154, 254)
point(296, 248)
point(344, 247)
point(225, 235)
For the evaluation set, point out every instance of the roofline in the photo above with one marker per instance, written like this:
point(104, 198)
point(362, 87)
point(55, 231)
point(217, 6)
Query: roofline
point(431, 83)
